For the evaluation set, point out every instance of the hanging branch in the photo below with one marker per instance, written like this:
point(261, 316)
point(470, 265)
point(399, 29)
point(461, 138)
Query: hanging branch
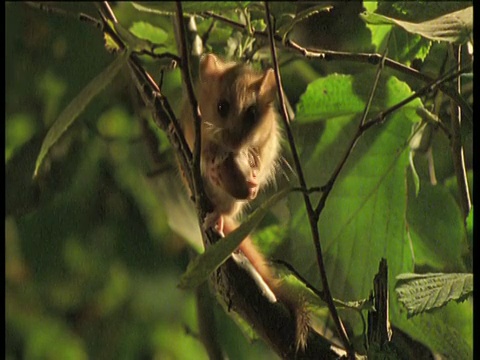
point(310, 211)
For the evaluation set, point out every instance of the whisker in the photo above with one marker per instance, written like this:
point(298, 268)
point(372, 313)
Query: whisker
point(283, 161)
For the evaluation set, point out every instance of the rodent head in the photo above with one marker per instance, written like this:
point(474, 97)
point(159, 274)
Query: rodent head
point(235, 101)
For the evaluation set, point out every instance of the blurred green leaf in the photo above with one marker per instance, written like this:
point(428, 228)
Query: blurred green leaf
point(19, 128)
point(147, 31)
point(117, 124)
point(71, 112)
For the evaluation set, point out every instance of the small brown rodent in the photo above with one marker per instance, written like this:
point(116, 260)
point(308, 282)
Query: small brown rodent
point(240, 140)
point(240, 135)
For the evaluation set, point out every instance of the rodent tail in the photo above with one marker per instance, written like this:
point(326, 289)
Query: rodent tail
point(276, 290)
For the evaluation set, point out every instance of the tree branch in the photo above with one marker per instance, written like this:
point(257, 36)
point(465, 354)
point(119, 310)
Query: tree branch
point(201, 200)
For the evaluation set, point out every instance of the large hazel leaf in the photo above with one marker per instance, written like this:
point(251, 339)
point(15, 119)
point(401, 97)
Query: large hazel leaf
point(364, 218)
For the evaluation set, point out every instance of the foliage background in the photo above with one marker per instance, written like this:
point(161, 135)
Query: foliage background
point(92, 264)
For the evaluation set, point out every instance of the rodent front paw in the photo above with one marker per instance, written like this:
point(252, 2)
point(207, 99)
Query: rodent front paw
point(215, 221)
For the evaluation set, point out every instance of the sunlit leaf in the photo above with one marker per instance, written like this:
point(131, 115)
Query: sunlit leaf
point(329, 97)
point(364, 216)
point(405, 47)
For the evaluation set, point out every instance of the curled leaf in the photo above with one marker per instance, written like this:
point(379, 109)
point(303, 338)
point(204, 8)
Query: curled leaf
point(455, 27)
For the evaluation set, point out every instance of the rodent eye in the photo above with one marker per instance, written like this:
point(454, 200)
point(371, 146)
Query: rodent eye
point(223, 107)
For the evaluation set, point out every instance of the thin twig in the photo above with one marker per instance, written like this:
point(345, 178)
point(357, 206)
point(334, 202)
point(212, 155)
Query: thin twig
point(54, 10)
point(201, 200)
point(163, 115)
point(375, 121)
point(161, 110)
point(457, 148)
point(427, 88)
point(310, 212)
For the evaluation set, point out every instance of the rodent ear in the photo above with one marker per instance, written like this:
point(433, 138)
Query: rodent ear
point(268, 86)
point(210, 66)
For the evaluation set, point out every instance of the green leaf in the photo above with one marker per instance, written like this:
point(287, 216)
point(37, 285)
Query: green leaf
point(147, 31)
point(269, 238)
point(19, 128)
point(455, 27)
point(75, 108)
point(436, 228)
point(203, 265)
point(132, 42)
point(405, 47)
point(364, 216)
point(448, 331)
point(325, 98)
point(424, 292)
